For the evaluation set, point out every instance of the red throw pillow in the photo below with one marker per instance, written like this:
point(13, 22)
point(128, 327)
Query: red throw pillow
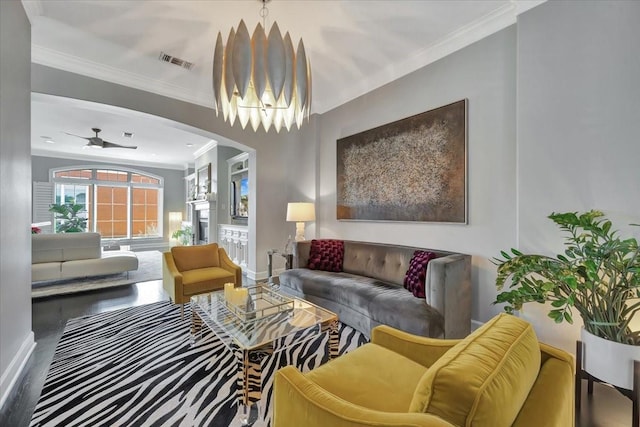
point(326, 255)
point(416, 275)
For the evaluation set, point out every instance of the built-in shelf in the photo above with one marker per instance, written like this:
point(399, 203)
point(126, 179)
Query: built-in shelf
point(240, 171)
point(235, 241)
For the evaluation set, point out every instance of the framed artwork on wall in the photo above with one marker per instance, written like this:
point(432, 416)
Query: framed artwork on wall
point(414, 169)
point(204, 181)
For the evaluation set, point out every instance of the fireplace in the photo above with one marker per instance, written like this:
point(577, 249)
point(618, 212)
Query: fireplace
point(204, 218)
point(203, 232)
point(203, 226)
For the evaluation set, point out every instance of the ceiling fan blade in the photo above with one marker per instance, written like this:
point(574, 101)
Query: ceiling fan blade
point(78, 136)
point(107, 144)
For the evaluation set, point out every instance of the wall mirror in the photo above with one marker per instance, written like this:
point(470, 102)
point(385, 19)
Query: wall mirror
point(204, 181)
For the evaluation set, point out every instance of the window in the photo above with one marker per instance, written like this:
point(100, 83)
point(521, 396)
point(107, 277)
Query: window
point(145, 212)
point(77, 173)
point(112, 211)
point(118, 203)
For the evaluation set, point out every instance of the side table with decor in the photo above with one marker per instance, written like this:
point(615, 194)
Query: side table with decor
point(288, 263)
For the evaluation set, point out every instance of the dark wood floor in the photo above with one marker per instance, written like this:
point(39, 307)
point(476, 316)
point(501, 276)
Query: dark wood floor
point(606, 408)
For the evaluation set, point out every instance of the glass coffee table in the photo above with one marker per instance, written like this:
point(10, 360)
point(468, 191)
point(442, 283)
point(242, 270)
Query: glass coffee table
point(272, 322)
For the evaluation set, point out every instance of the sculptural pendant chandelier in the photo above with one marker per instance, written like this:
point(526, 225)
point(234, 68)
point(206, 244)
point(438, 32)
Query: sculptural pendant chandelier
point(261, 79)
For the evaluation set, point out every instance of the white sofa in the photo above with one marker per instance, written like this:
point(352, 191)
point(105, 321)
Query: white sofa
point(71, 255)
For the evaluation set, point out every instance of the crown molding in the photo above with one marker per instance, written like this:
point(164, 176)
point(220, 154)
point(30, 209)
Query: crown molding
point(111, 160)
point(475, 31)
point(465, 36)
point(71, 63)
point(208, 146)
point(33, 8)
point(524, 5)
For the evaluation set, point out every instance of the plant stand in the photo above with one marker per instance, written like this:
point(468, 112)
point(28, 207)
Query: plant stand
point(581, 374)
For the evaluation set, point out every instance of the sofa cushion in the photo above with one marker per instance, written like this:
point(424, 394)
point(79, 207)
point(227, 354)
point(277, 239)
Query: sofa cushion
point(485, 379)
point(326, 255)
point(110, 263)
point(194, 257)
point(64, 247)
point(383, 303)
point(399, 309)
point(46, 271)
point(414, 280)
point(370, 376)
point(206, 279)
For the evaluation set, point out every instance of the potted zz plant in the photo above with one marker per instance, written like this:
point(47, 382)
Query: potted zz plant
point(598, 276)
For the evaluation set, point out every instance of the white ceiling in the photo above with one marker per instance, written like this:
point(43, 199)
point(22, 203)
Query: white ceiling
point(354, 46)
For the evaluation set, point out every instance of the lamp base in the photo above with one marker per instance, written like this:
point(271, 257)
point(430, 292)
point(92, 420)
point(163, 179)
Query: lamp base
point(299, 231)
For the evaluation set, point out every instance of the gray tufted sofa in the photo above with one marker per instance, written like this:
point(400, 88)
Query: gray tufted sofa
point(370, 292)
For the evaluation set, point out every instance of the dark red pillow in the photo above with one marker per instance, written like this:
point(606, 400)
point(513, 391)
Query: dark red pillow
point(416, 275)
point(326, 255)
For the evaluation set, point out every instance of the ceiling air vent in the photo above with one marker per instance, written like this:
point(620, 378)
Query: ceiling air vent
point(165, 57)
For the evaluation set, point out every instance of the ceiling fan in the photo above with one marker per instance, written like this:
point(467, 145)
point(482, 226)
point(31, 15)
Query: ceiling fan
point(97, 142)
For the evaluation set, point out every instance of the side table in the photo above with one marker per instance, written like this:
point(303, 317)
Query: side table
point(288, 262)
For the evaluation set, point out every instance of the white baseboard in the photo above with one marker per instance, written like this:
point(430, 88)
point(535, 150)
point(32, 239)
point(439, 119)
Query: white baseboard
point(158, 246)
point(262, 275)
point(252, 274)
point(475, 324)
point(11, 374)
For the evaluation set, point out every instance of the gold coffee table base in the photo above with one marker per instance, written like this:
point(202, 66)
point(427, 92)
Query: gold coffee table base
point(252, 342)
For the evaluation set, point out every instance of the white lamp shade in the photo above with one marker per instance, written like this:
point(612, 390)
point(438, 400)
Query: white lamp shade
point(175, 221)
point(300, 212)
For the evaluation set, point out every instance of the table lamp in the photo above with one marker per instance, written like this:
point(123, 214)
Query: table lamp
point(299, 213)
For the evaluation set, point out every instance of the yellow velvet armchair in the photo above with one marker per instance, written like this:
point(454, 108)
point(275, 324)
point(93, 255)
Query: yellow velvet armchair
point(192, 270)
point(498, 376)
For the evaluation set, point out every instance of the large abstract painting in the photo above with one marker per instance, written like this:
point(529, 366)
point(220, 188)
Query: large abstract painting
point(414, 169)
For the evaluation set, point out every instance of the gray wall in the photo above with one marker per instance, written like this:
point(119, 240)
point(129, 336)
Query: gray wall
point(485, 74)
point(578, 126)
point(16, 338)
point(566, 74)
point(554, 119)
point(174, 184)
point(225, 153)
point(269, 170)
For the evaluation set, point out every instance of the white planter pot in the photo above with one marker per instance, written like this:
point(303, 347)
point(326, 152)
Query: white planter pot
point(609, 361)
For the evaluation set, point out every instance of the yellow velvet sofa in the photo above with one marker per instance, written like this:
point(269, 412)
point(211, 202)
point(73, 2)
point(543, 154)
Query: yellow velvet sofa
point(500, 375)
point(193, 270)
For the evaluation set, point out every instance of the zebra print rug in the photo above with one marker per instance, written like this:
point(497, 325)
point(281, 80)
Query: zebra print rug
point(135, 367)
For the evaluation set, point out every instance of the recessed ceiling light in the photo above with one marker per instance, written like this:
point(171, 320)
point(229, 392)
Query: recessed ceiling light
point(153, 154)
point(189, 145)
point(127, 134)
point(49, 141)
point(45, 137)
